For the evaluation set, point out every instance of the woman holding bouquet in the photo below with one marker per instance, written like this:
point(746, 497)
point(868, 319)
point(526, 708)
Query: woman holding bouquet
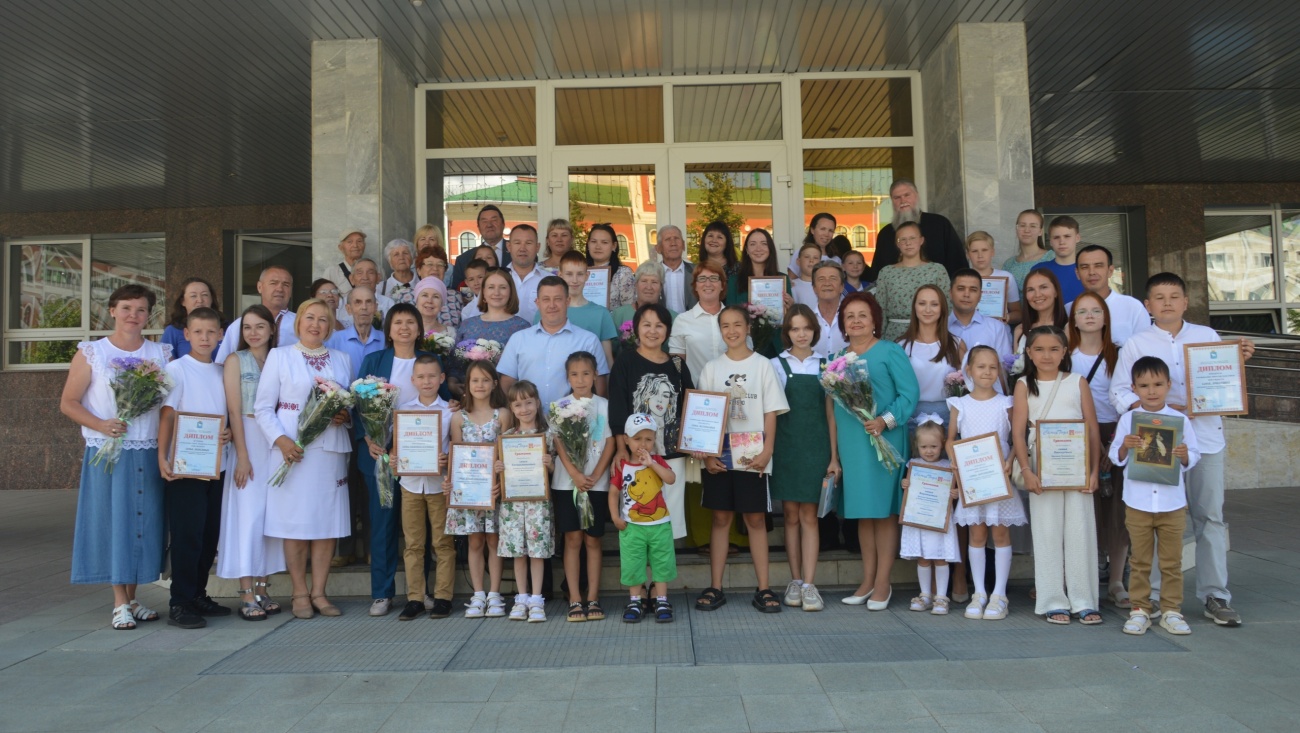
point(119, 530)
point(758, 259)
point(498, 322)
point(872, 492)
point(430, 295)
point(309, 511)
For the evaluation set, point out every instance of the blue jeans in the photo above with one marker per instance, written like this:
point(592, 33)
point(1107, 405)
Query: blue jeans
point(385, 530)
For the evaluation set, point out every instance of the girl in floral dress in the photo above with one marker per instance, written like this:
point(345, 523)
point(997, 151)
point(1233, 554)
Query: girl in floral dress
point(480, 421)
point(527, 528)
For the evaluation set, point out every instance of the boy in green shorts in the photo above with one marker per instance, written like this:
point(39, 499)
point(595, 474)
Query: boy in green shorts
point(645, 531)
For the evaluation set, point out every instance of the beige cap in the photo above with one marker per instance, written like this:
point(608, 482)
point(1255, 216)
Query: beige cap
point(349, 232)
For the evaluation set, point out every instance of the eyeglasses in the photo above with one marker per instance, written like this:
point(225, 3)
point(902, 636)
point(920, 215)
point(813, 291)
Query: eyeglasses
point(708, 279)
point(328, 292)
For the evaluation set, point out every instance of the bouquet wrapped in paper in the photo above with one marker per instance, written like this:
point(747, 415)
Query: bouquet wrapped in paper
point(440, 342)
point(764, 324)
point(327, 398)
point(954, 384)
point(626, 336)
point(479, 350)
point(139, 387)
point(1014, 364)
point(571, 420)
point(845, 379)
point(375, 400)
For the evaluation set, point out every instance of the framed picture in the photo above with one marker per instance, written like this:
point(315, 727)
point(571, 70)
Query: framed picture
point(1061, 454)
point(597, 288)
point(417, 440)
point(704, 422)
point(926, 501)
point(1154, 460)
point(993, 297)
point(524, 476)
point(979, 462)
point(196, 445)
point(1216, 379)
point(769, 292)
point(471, 466)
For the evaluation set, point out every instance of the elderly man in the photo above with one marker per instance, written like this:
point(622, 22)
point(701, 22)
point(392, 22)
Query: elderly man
point(361, 337)
point(828, 285)
point(538, 353)
point(523, 268)
point(942, 244)
point(365, 274)
point(352, 245)
point(275, 285)
point(678, 295)
point(491, 228)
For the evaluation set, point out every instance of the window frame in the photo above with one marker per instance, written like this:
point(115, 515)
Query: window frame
point(1278, 305)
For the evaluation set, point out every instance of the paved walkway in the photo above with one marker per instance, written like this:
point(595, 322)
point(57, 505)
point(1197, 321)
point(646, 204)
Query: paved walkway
point(63, 669)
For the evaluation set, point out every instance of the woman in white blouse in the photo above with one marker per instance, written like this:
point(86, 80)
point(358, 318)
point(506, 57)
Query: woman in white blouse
point(933, 351)
point(696, 337)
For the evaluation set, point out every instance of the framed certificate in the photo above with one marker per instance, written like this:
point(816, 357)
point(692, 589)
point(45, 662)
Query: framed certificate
point(1154, 460)
point(471, 467)
point(978, 462)
point(769, 292)
point(1061, 454)
point(196, 445)
point(525, 477)
point(417, 439)
point(597, 288)
point(993, 297)
point(704, 422)
point(926, 502)
point(1216, 379)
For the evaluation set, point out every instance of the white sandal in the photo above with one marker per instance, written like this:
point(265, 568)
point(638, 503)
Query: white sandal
point(921, 603)
point(142, 612)
point(996, 610)
point(977, 605)
point(1174, 623)
point(1138, 623)
point(122, 618)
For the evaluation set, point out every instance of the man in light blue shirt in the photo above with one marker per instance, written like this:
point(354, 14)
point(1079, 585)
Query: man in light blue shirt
point(537, 354)
point(360, 338)
point(967, 323)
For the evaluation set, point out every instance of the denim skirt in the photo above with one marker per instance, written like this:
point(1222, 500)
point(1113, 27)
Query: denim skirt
point(119, 531)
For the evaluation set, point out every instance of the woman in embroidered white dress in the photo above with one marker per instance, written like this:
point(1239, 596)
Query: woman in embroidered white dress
point(310, 510)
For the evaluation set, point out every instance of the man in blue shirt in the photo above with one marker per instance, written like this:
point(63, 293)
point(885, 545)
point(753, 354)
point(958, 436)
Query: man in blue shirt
point(360, 338)
point(537, 354)
point(1064, 237)
point(967, 323)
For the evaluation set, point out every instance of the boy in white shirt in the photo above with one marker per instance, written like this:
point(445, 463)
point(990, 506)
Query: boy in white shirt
point(424, 505)
point(1155, 512)
point(194, 504)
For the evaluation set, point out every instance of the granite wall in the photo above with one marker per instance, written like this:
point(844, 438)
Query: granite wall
point(41, 449)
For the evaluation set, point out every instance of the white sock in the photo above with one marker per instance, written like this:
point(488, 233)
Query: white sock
point(977, 570)
point(493, 594)
point(480, 594)
point(796, 580)
point(536, 600)
point(941, 580)
point(521, 598)
point(1001, 569)
point(923, 575)
point(807, 585)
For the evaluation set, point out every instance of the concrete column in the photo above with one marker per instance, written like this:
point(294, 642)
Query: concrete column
point(363, 147)
point(979, 159)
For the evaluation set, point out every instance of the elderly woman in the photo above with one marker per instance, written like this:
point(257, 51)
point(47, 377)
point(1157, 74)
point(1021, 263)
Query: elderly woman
point(431, 262)
point(119, 528)
point(400, 255)
point(648, 285)
point(310, 510)
point(329, 292)
point(430, 295)
point(559, 239)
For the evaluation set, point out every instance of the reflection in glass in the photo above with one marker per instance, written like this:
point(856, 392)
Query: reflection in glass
point(726, 112)
point(459, 188)
point(480, 118)
point(42, 352)
point(1239, 257)
point(622, 196)
point(1109, 230)
point(853, 185)
point(259, 253)
point(1291, 255)
point(847, 108)
point(45, 286)
point(739, 194)
point(135, 261)
point(609, 115)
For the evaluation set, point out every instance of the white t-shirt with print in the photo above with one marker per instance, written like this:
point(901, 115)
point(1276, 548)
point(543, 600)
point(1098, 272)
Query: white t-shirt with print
point(752, 386)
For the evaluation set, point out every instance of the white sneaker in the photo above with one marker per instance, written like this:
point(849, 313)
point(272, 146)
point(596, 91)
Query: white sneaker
point(812, 600)
point(496, 606)
point(380, 606)
point(1138, 623)
point(1174, 623)
point(976, 608)
point(519, 611)
point(940, 606)
point(794, 594)
point(921, 603)
point(475, 607)
point(536, 614)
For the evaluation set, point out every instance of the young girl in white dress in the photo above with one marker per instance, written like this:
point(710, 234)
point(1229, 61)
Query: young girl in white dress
point(978, 413)
point(927, 546)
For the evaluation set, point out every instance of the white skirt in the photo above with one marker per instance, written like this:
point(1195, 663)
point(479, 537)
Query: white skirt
point(927, 544)
point(1010, 512)
point(243, 549)
point(312, 503)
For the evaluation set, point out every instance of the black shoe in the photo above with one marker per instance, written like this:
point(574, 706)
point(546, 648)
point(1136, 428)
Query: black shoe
point(186, 617)
point(205, 606)
point(441, 608)
point(412, 609)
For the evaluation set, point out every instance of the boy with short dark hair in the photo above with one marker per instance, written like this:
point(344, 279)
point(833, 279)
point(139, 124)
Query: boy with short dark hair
point(1063, 236)
point(1156, 513)
point(584, 314)
point(193, 505)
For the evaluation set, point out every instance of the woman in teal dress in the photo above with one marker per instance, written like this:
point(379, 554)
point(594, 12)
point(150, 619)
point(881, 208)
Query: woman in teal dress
point(871, 494)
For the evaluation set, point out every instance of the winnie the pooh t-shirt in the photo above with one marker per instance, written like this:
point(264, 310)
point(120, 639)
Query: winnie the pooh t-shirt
point(641, 492)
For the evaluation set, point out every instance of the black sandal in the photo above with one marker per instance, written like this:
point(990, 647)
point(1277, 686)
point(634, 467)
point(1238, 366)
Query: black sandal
point(710, 600)
point(632, 614)
point(594, 611)
point(663, 612)
point(576, 612)
point(766, 601)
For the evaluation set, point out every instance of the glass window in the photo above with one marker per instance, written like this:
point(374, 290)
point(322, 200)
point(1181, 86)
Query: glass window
point(852, 184)
point(467, 241)
point(129, 261)
point(726, 112)
point(1290, 236)
point(458, 188)
point(738, 193)
point(256, 253)
point(1242, 248)
point(623, 251)
point(480, 118)
point(618, 195)
point(843, 108)
point(1110, 230)
point(859, 237)
point(45, 285)
point(609, 115)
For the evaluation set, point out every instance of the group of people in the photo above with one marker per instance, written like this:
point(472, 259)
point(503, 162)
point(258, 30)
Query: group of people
point(1066, 346)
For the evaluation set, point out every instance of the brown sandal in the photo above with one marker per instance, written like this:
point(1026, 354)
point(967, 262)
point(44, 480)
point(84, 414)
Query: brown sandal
point(302, 613)
point(329, 609)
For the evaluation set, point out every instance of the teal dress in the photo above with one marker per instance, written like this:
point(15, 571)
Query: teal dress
point(870, 491)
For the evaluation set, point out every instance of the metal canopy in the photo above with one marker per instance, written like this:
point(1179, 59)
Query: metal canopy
point(119, 104)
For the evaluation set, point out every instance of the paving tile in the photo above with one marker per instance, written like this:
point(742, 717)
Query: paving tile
point(937, 675)
point(1070, 724)
point(455, 687)
point(1016, 674)
point(350, 718)
point(432, 717)
point(1164, 698)
point(856, 677)
point(295, 688)
point(948, 702)
point(610, 683)
point(1266, 721)
point(1233, 695)
point(534, 685)
point(701, 714)
point(41, 716)
point(512, 717)
point(376, 687)
point(1194, 724)
point(172, 718)
point(777, 713)
point(788, 679)
point(263, 718)
point(885, 707)
point(697, 682)
point(1044, 706)
point(989, 722)
point(631, 714)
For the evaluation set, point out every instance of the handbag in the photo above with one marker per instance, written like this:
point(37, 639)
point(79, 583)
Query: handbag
point(830, 497)
point(1017, 477)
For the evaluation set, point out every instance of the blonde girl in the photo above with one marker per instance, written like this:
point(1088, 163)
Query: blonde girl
point(527, 528)
point(926, 546)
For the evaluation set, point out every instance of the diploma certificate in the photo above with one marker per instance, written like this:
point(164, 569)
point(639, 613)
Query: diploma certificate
point(417, 439)
point(769, 292)
point(597, 288)
point(926, 502)
point(704, 422)
point(1216, 379)
point(196, 445)
point(1061, 448)
point(471, 466)
point(1154, 460)
point(993, 297)
point(524, 477)
point(978, 462)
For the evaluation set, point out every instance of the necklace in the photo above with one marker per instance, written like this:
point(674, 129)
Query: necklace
point(317, 358)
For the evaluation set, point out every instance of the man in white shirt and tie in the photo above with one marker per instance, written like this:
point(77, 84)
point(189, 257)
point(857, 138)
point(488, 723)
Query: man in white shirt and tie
point(677, 293)
point(1128, 316)
point(275, 285)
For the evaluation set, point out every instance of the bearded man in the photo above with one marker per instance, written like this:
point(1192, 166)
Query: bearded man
point(942, 243)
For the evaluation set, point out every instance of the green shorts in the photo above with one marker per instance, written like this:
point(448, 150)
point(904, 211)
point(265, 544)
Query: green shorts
point(647, 544)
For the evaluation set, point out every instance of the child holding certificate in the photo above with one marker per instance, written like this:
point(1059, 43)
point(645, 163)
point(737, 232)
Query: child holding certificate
point(424, 504)
point(527, 528)
point(194, 504)
point(927, 546)
point(645, 531)
point(978, 413)
point(480, 420)
point(979, 250)
point(1065, 534)
point(1154, 510)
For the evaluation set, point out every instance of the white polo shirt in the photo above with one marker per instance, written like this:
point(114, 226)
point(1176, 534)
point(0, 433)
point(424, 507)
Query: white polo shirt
point(526, 287)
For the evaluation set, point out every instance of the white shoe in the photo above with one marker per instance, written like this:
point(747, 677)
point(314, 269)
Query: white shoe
point(794, 594)
point(1174, 623)
point(519, 611)
point(921, 603)
point(496, 606)
point(976, 608)
point(475, 607)
point(996, 609)
point(812, 600)
point(1138, 623)
point(855, 600)
point(536, 614)
point(380, 606)
point(940, 606)
point(880, 605)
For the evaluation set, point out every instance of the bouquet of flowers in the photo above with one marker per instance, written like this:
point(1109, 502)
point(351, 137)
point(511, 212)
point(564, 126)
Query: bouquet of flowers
point(955, 384)
point(764, 326)
point(479, 350)
point(139, 387)
point(440, 342)
point(626, 336)
point(327, 398)
point(376, 400)
point(1014, 364)
point(845, 380)
point(570, 420)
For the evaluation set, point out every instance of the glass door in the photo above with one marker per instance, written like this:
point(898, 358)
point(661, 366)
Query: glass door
point(749, 187)
point(619, 187)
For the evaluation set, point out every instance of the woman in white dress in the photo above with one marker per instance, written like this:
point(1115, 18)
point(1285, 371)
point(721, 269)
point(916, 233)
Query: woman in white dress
point(243, 550)
point(310, 510)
